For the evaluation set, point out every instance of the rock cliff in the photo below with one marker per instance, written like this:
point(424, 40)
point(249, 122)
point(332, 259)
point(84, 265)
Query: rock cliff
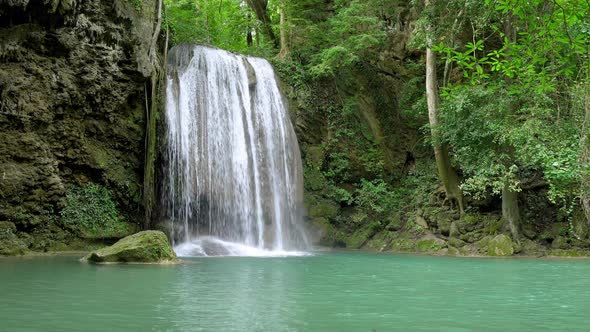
point(73, 76)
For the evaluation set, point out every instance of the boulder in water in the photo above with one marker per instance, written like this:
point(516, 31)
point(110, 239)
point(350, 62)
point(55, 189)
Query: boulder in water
point(143, 247)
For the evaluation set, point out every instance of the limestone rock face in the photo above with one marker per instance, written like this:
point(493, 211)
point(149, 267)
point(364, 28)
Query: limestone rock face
point(142, 247)
point(72, 78)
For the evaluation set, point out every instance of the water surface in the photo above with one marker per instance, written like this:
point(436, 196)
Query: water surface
point(326, 292)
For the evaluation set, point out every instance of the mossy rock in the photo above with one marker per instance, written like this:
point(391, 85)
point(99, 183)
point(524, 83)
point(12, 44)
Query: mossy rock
point(443, 223)
point(501, 245)
point(142, 247)
point(580, 224)
point(493, 226)
point(439, 219)
point(324, 209)
point(325, 234)
point(569, 253)
point(10, 244)
point(532, 248)
point(362, 235)
point(428, 246)
point(472, 237)
point(380, 241)
point(484, 243)
point(315, 155)
point(457, 243)
point(314, 179)
point(403, 244)
point(469, 222)
point(395, 222)
point(452, 251)
point(560, 242)
point(553, 231)
point(114, 230)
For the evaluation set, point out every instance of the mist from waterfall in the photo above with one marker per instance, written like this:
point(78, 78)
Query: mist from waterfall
point(233, 182)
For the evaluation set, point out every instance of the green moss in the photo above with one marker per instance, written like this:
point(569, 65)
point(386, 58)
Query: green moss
point(428, 246)
point(142, 247)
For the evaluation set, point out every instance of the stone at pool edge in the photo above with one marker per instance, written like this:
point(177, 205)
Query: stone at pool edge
point(150, 247)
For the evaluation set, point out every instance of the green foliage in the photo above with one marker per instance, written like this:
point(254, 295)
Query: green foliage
point(224, 24)
point(136, 4)
point(354, 35)
point(509, 116)
point(90, 209)
point(376, 196)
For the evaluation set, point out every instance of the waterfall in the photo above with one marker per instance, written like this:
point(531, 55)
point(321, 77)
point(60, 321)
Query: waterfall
point(233, 182)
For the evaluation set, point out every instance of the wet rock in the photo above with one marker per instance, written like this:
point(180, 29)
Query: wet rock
point(142, 247)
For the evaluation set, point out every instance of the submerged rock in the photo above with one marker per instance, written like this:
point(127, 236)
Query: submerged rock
point(142, 247)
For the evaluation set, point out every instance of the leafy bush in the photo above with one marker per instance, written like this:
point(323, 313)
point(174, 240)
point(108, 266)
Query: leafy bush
point(376, 195)
point(89, 209)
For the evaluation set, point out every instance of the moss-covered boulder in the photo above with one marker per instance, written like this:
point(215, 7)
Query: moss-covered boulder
point(501, 245)
point(430, 243)
point(362, 235)
point(142, 247)
point(380, 241)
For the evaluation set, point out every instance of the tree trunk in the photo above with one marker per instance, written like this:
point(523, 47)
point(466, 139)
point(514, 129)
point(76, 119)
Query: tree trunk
point(249, 40)
point(259, 8)
point(510, 211)
point(447, 175)
point(585, 151)
point(149, 190)
point(285, 52)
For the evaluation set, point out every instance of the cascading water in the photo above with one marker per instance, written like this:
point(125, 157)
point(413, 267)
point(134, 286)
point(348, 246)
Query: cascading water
point(233, 174)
